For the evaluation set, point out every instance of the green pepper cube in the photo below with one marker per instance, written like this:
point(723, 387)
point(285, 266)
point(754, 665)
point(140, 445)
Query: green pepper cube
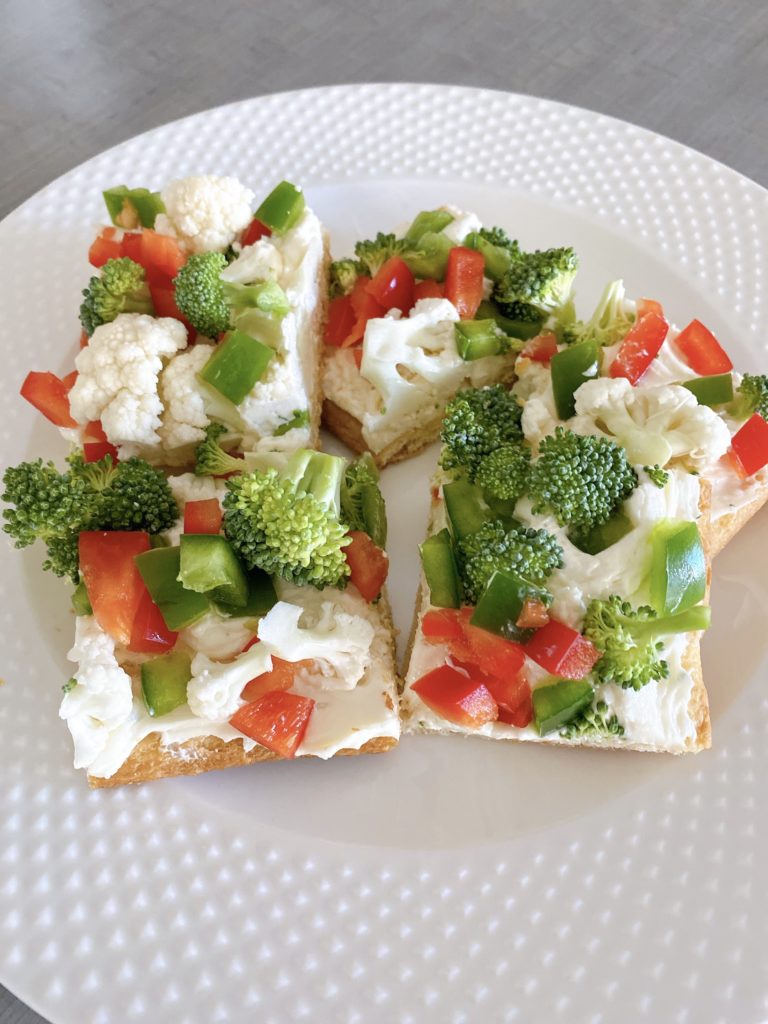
point(164, 682)
point(159, 568)
point(430, 259)
point(80, 600)
point(282, 208)
point(498, 260)
point(261, 597)
point(209, 565)
point(130, 207)
point(570, 369)
point(678, 566)
point(440, 570)
point(476, 339)
point(711, 391)
point(601, 537)
point(501, 604)
point(428, 222)
point(556, 704)
point(465, 507)
point(236, 364)
point(522, 329)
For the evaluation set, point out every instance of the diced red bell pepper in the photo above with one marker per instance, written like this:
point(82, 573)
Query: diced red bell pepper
point(428, 290)
point(464, 280)
point(70, 380)
point(562, 651)
point(649, 306)
point(114, 585)
point(393, 285)
point(541, 348)
point(204, 516)
point(94, 432)
point(534, 614)
point(702, 351)
point(277, 721)
point(340, 322)
point(254, 232)
point(470, 644)
point(95, 451)
point(521, 714)
point(132, 245)
point(457, 697)
point(50, 396)
point(281, 677)
point(442, 625)
point(106, 246)
point(357, 355)
point(161, 256)
point(365, 308)
point(368, 565)
point(640, 347)
point(749, 445)
point(164, 302)
point(83, 339)
point(150, 634)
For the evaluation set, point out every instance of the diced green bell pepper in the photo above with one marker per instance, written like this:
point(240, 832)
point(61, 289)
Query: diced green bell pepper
point(131, 207)
point(476, 339)
point(80, 600)
point(266, 296)
point(678, 566)
point(159, 568)
point(261, 597)
point(164, 682)
point(209, 565)
point(712, 391)
point(570, 368)
point(522, 329)
point(556, 704)
point(428, 222)
point(498, 260)
point(236, 364)
point(282, 208)
point(465, 507)
point(502, 602)
point(440, 570)
point(593, 541)
point(157, 540)
point(430, 258)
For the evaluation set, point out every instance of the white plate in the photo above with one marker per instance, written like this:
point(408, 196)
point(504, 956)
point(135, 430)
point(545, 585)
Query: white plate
point(452, 880)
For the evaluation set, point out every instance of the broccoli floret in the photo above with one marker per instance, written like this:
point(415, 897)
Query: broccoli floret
point(657, 475)
point(521, 311)
point(595, 721)
point(362, 504)
point(200, 293)
point(211, 459)
point(628, 639)
point(581, 479)
point(531, 554)
point(55, 507)
point(503, 473)
point(477, 422)
point(751, 397)
point(372, 254)
point(542, 279)
point(287, 522)
point(344, 273)
point(498, 236)
point(122, 288)
point(608, 324)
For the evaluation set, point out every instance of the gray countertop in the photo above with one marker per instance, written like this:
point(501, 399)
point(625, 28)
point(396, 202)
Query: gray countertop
point(79, 76)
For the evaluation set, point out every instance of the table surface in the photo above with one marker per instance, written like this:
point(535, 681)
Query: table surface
point(82, 76)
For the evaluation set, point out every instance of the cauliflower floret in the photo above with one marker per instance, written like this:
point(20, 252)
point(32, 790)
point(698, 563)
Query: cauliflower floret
point(184, 416)
point(102, 698)
point(214, 690)
point(217, 635)
point(205, 212)
point(258, 262)
point(653, 424)
point(338, 642)
point(118, 377)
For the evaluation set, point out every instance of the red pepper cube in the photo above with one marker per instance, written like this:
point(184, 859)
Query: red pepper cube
point(750, 445)
point(457, 697)
point(562, 651)
point(464, 280)
point(204, 516)
point(702, 351)
point(277, 721)
point(640, 347)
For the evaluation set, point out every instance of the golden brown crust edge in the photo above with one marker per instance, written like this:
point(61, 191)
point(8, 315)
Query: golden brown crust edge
point(698, 705)
point(319, 317)
point(349, 430)
point(724, 528)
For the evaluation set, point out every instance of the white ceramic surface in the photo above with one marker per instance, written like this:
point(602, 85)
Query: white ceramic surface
point(452, 880)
